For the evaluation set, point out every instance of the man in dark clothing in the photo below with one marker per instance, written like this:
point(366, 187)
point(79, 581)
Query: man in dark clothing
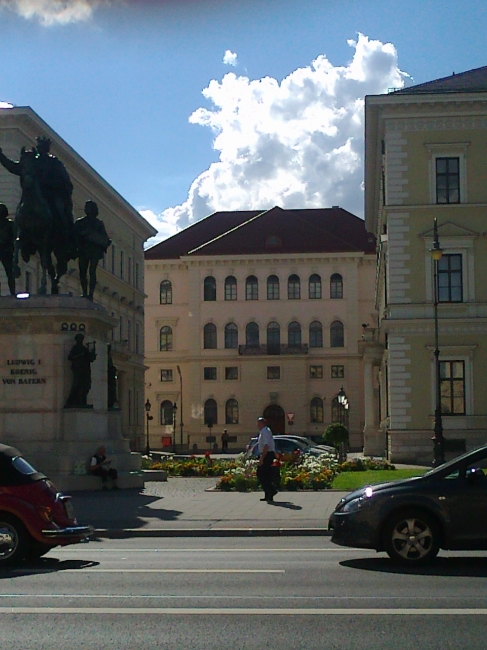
point(100, 466)
point(81, 356)
point(267, 451)
point(225, 438)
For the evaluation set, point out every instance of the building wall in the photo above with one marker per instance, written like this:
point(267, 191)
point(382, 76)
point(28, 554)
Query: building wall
point(189, 313)
point(121, 290)
point(415, 131)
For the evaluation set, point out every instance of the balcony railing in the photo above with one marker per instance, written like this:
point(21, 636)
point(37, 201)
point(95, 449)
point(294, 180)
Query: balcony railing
point(260, 350)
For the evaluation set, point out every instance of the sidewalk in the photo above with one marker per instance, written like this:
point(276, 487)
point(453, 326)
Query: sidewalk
point(185, 507)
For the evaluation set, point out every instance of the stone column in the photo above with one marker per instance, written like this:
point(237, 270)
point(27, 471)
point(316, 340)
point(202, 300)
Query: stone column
point(374, 439)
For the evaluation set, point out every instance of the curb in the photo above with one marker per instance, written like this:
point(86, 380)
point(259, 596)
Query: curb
point(124, 533)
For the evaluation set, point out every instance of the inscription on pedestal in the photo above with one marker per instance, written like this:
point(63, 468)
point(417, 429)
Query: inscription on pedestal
point(23, 372)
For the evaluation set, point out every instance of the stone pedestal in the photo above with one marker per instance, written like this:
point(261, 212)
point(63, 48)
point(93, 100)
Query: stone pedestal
point(36, 335)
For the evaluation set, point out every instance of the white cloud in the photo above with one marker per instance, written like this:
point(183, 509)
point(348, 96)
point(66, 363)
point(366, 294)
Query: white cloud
point(296, 143)
point(230, 58)
point(51, 12)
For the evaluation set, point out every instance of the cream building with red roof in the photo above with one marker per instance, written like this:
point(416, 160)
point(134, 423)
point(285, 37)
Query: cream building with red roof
point(258, 312)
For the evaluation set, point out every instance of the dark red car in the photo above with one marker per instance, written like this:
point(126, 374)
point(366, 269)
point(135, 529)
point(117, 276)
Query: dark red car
point(34, 516)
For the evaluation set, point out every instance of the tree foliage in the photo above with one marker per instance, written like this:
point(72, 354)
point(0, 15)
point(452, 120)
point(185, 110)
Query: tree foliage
point(335, 433)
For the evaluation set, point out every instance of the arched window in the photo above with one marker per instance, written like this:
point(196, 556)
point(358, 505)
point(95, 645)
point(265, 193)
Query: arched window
point(211, 412)
point(336, 335)
point(252, 335)
point(209, 336)
point(273, 287)
point(273, 338)
point(231, 412)
point(165, 344)
point(166, 412)
point(314, 291)
point(251, 288)
point(336, 286)
point(209, 289)
point(315, 334)
point(231, 336)
point(294, 334)
point(294, 287)
point(165, 292)
point(230, 288)
point(316, 410)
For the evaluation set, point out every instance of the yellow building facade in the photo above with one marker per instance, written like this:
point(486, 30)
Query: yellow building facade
point(257, 313)
point(425, 161)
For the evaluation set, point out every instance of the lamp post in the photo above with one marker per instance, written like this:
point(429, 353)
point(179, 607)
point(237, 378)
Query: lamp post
point(181, 414)
point(343, 402)
point(149, 417)
point(438, 439)
point(174, 411)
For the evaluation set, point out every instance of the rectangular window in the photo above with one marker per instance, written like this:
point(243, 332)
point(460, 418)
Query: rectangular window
point(129, 334)
point(450, 278)
point(231, 372)
point(448, 180)
point(137, 273)
point(209, 374)
point(129, 270)
point(273, 372)
point(452, 387)
point(120, 330)
point(337, 372)
point(137, 338)
point(122, 264)
point(166, 374)
point(316, 372)
point(113, 259)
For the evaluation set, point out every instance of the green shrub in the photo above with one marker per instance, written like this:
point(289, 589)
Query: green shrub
point(335, 434)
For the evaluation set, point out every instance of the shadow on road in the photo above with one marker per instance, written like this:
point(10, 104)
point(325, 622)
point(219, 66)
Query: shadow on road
point(47, 565)
point(121, 509)
point(286, 504)
point(469, 567)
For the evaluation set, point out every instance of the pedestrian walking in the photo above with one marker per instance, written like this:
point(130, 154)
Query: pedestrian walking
point(225, 438)
point(267, 455)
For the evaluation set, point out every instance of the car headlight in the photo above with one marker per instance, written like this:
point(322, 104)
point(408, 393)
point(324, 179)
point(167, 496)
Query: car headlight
point(353, 505)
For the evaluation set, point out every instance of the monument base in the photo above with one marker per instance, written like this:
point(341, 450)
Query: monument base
point(36, 336)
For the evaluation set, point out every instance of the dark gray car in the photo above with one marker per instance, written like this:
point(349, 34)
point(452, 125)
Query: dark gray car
point(412, 519)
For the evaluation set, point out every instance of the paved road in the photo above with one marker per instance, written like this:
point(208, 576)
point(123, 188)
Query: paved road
point(232, 593)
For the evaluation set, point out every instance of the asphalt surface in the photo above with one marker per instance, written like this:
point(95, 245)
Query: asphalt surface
point(241, 594)
point(188, 506)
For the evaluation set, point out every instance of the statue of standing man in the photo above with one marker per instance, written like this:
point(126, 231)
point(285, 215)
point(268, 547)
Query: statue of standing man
point(92, 242)
point(7, 246)
point(81, 357)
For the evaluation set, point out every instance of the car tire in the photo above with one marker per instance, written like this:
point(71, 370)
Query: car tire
point(14, 539)
point(412, 537)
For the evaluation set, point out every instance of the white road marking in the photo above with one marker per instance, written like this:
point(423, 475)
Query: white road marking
point(84, 571)
point(236, 611)
point(210, 550)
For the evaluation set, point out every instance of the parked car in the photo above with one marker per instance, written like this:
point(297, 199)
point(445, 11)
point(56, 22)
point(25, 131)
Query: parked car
point(34, 516)
point(285, 445)
point(311, 443)
point(412, 519)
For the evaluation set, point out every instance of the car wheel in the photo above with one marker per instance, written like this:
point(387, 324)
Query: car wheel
point(412, 537)
point(14, 539)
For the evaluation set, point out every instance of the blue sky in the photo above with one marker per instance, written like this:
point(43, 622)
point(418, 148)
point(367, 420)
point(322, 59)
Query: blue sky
point(119, 80)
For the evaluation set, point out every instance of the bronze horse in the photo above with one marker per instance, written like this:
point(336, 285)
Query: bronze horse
point(36, 227)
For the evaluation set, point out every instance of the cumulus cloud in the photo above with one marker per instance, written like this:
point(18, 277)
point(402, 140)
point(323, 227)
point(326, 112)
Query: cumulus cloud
point(51, 12)
point(230, 58)
point(297, 143)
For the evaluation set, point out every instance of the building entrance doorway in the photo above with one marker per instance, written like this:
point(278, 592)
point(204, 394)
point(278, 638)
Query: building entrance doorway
point(275, 418)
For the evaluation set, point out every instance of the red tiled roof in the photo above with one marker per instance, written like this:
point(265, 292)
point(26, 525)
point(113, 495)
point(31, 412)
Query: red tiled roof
point(275, 231)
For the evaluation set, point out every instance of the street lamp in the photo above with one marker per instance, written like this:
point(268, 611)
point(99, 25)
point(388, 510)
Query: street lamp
point(174, 411)
point(181, 414)
point(438, 439)
point(343, 405)
point(149, 417)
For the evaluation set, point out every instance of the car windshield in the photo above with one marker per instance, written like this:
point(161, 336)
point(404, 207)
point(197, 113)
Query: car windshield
point(443, 469)
point(23, 466)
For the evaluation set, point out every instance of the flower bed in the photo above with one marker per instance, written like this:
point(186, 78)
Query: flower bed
point(296, 471)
